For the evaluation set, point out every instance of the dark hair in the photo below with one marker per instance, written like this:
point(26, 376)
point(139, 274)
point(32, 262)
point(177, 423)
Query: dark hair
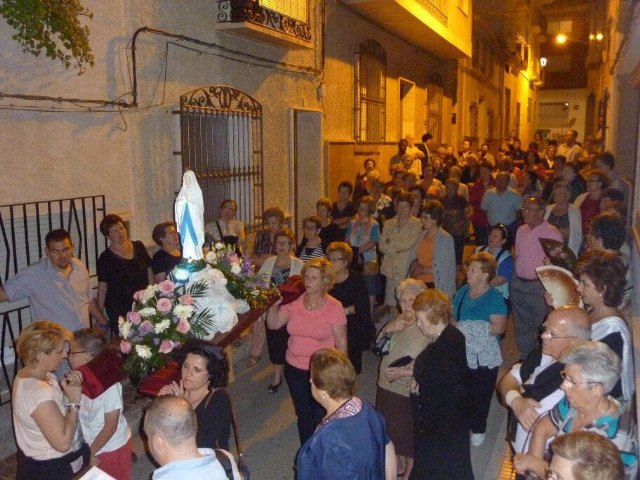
point(434, 209)
point(217, 365)
point(346, 184)
point(406, 197)
point(58, 235)
point(609, 227)
point(275, 212)
point(108, 222)
point(608, 159)
point(614, 194)
point(607, 272)
point(504, 231)
point(286, 232)
point(603, 177)
point(159, 231)
point(312, 219)
point(364, 164)
point(553, 142)
point(426, 137)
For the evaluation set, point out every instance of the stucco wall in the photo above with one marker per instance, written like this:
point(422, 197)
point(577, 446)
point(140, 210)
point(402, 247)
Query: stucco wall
point(577, 99)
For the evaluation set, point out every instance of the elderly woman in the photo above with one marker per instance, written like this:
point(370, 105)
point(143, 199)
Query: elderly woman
point(315, 320)
point(165, 260)
point(565, 217)
point(399, 237)
point(601, 285)
point(481, 314)
point(498, 245)
point(584, 455)
point(264, 246)
point(392, 398)
point(350, 289)
point(456, 216)
point(45, 423)
point(351, 441)
point(311, 245)
point(276, 271)
point(123, 269)
point(329, 230)
point(203, 378)
point(440, 394)
point(362, 235)
point(589, 201)
point(591, 370)
point(227, 229)
point(433, 259)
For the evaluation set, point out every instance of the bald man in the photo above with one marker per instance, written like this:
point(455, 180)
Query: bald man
point(532, 386)
point(170, 425)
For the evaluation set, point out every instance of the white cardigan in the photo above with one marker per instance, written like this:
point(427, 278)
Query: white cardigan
point(267, 267)
point(575, 226)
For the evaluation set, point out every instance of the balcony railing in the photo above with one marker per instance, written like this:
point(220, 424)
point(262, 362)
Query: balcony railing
point(250, 11)
point(437, 8)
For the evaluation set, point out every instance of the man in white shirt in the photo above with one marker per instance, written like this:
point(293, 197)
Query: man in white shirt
point(532, 386)
point(570, 148)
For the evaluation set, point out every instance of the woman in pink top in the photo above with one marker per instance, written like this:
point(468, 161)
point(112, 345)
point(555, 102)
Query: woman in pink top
point(315, 320)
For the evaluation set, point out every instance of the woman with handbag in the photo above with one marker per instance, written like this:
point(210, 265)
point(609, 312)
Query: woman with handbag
point(46, 426)
point(350, 289)
point(392, 398)
point(203, 378)
point(362, 235)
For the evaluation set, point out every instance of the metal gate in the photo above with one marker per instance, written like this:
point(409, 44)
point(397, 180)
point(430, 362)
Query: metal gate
point(221, 137)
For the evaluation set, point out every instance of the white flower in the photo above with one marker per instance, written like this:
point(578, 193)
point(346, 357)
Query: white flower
point(149, 293)
point(236, 268)
point(219, 246)
point(211, 257)
point(162, 326)
point(183, 312)
point(147, 311)
point(143, 351)
point(124, 327)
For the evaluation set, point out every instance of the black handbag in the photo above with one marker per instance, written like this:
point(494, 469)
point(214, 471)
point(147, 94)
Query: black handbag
point(381, 347)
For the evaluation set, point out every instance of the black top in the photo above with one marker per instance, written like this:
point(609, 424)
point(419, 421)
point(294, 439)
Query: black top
point(124, 277)
point(214, 421)
point(331, 233)
point(353, 291)
point(163, 261)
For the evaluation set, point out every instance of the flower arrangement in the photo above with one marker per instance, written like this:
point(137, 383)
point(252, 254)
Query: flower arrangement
point(242, 283)
point(163, 317)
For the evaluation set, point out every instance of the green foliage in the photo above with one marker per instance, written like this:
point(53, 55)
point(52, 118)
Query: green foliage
point(52, 27)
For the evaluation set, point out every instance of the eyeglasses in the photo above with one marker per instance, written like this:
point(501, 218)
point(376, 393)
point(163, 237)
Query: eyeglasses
point(546, 333)
point(70, 353)
point(571, 381)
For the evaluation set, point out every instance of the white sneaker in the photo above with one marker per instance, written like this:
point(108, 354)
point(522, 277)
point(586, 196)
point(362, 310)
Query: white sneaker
point(477, 439)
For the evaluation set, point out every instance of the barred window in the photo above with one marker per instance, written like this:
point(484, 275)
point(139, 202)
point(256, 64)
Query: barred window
point(372, 92)
point(473, 120)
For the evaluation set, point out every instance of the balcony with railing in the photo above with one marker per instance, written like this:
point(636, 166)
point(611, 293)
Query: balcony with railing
point(264, 20)
point(437, 26)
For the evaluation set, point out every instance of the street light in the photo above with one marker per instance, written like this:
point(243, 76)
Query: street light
point(561, 39)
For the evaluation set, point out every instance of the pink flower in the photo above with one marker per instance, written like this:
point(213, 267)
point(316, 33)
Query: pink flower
point(186, 299)
point(134, 317)
point(166, 346)
point(183, 326)
point(164, 305)
point(139, 296)
point(166, 287)
point(125, 347)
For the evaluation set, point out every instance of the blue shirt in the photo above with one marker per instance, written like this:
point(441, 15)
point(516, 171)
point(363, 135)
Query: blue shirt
point(206, 467)
point(501, 207)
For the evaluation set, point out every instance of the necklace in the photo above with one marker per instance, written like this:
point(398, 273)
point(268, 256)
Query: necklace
point(313, 305)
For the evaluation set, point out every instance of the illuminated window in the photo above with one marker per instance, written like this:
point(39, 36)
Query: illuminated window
point(372, 93)
point(298, 9)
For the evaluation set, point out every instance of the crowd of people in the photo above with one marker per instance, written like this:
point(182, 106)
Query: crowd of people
point(392, 251)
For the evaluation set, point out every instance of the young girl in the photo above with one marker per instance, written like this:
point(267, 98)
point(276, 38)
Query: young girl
point(102, 420)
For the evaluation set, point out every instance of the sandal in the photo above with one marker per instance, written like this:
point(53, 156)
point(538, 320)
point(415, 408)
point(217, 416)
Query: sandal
point(253, 361)
point(274, 388)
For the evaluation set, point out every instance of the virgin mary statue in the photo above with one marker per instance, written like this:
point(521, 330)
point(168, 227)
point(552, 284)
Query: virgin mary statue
point(189, 212)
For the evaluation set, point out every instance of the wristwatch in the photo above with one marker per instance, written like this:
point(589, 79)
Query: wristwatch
point(72, 405)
